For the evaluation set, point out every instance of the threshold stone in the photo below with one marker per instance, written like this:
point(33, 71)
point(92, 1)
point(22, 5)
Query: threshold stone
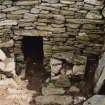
point(54, 99)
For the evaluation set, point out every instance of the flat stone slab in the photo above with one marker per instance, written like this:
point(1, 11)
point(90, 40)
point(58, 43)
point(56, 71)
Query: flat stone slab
point(32, 33)
point(96, 100)
point(8, 22)
point(100, 74)
point(94, 2)
point(54, 99)
point(52, 91)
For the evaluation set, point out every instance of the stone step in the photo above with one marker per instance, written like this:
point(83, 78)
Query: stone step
point(54, 100)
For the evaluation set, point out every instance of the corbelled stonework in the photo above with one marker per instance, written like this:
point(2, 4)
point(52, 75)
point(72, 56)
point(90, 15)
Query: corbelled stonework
point(71, 26)
point(73, 33)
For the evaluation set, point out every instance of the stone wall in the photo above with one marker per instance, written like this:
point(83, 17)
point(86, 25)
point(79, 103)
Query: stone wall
point(71, 26)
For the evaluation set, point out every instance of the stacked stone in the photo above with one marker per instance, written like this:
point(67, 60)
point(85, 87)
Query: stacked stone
point(71, 26)
point(91, 33)
point(19, 54)
point(6, 34)
point(17, 18)
point(47, 46)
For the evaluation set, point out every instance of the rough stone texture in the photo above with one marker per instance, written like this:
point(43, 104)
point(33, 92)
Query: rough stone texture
point(74, 89)
point(14, 93)
point(71, 30)
point(49, 1)
point(7, 66)
point(94, 2)
point(9, 43)
point(2, 55)
point(61, 100)
point(10, 66)
point(94, 15)
point(96, 100)
point(103, 12)
point(46, 91)
point(78, 100)
point(79, 69)
point(99, 75)
point(56, 65)
point(8, 22)
point(100, 82)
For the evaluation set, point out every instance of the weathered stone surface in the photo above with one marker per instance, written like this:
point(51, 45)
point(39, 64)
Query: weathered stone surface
point(54, 5)
point(35, 10)
point(57, 26)
point(51, 29)
point(25, 2)
point(2, 55)
point(79, 69)
point(59, 17)
point(74, 89)
point(85, 21)
point(2, 15)
point(94, 15)
point(10, 66)
point(8, 82)
point(73, 29)
point(94, 2)
point(96, 100)
point(9, 9)
point(2, 66)
point(100, 68)
point(100, 82)
point(63, 82)
point(46, 28)
point(2, 7)
point(80, 60)
point(7, 2)
point(100, 74)
point(61, 100)
point(71, 25)
point(82, 37)
point(79, 100)
point(7, 44)
point(103, 12)
point(14, 16)
point(19, 12)
point(51, 1)
point(14, 94)
point(52, 91)
point(29, 15)
point(32, 33)
point(56, 65)
point(8, 22)
point(67, 2)
point(65, 55)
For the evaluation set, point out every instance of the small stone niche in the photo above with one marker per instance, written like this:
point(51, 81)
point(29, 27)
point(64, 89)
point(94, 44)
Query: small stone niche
point(68, 70)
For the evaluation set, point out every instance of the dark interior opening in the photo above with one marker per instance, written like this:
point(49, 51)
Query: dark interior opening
point(33, 49)
point(33, 58)
point(91, 66)
point(102, 90)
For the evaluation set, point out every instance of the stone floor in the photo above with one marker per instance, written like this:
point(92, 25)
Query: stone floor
point(15, 93)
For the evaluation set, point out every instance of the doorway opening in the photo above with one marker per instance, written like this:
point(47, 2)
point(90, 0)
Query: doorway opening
point(33, 58)
point(33, 49)
point(91, 66)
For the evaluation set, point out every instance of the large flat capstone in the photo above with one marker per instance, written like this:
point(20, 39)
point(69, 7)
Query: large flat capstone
point(96, 100)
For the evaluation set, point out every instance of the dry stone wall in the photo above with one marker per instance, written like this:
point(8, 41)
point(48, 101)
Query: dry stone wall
point(73, 26)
